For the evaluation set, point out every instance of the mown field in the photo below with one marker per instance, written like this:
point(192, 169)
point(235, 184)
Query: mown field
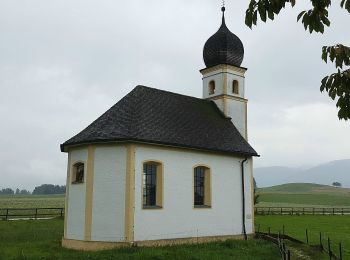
point(41, 240)
point(32, 201)
point(304, 195)
point(337, 228)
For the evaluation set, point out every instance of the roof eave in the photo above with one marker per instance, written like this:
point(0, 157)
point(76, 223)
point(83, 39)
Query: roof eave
point(65, 147)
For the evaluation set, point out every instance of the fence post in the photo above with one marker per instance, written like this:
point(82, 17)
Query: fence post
point(61, 213)
point(7, 214)
point(279, 237)
point(333, 211)
point(292, 211)
point(321, 245)
point(281, 211)
point(269, 231)
point(307, 236)
point(288, 254)
point(340, 252)
point(36, 213)
point(329, 249)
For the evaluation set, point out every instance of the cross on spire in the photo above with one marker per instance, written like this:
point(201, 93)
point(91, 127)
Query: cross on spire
point(223, 6)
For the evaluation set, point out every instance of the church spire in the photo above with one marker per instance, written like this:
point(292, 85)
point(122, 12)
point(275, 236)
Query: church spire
point(223, 12)
point(223, 47)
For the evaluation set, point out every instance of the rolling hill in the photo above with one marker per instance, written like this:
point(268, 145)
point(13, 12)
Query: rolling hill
point(305, 195)
point(323, 174)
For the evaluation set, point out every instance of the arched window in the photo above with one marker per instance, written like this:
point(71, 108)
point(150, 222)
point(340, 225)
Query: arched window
point(235, 87)
point(212, 87)
point(78, 173)
point(202, 187)
point(152, 185)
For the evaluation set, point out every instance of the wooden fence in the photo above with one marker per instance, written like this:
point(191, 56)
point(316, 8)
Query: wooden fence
point(285, 253)
point(279, 241)
point(30, 213)
point(301, 211)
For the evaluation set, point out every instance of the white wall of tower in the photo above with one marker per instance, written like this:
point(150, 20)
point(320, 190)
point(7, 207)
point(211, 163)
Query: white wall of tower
point(232, 104)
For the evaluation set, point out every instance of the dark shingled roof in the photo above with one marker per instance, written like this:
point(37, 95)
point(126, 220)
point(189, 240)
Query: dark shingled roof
point(160, 117)
point(223, 47)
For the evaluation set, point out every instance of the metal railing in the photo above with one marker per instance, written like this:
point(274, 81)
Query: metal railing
point(30, 213)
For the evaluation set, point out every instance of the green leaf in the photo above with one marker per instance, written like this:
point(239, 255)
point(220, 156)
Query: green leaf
point(324, 56)
point(326, 21)
point(262, 11)
point(301, 15)
point(255, 18)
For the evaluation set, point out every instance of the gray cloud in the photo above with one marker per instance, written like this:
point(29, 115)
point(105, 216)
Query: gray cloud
point(63, 63)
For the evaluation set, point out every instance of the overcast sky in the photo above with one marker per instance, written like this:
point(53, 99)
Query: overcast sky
point(63, 63)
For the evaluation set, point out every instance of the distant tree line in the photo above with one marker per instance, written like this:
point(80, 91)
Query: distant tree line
point(336, 184)
point(7, 191)
point(22, 192)
point(44, 189)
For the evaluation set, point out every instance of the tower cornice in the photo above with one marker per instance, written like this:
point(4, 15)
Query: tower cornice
point(223, 68)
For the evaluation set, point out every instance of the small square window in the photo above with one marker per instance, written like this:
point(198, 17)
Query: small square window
point(78, 173)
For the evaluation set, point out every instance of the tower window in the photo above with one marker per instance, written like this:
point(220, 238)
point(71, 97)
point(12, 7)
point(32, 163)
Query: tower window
point(235, 87)
point(202, 187)
point(78, 173)
point(152, 185)
point(211, 87)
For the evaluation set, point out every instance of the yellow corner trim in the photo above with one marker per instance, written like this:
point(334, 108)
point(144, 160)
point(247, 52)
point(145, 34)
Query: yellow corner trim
point(130, 193)
point(89, 177)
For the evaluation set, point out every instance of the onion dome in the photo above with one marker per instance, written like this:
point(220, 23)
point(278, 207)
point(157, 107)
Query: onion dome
point(223, 47)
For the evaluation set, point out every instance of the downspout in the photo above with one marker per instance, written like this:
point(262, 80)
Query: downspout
point(243, 200)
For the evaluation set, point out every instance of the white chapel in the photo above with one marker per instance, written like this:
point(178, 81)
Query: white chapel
point(162, 168)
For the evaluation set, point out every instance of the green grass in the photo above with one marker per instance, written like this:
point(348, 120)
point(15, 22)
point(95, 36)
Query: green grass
point(337, 228)
point(41, 240)
point(32, 201)
point(304, 195)
point(319, 200)
point(304, 188)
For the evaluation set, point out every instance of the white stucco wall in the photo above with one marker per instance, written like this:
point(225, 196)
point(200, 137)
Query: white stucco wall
point(178, 218)
point(76, 199)
point(249, 188)
point(108, 206)
point(219, 77)
point(219, 84)
point(237, 110)
point(241, 88)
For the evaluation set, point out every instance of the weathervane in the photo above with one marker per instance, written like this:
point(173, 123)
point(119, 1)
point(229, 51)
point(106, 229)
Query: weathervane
point(223, 6)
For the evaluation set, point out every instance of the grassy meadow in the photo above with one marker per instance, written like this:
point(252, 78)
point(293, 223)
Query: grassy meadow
point(304, 195)
point(32, 201)
point(337, 228)
point(41, 240)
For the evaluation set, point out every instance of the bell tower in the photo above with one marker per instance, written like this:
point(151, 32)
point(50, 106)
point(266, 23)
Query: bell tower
point(224, 78)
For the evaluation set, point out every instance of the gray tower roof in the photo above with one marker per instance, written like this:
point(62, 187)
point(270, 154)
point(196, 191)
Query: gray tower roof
point(223, 47)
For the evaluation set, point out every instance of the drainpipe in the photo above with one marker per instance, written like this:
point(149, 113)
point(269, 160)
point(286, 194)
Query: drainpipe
point(243, 200)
